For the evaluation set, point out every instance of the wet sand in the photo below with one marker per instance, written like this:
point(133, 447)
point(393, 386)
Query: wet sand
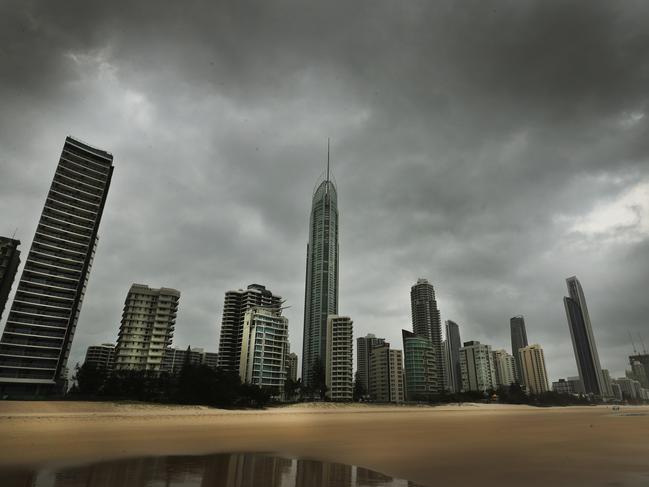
point(447, 446)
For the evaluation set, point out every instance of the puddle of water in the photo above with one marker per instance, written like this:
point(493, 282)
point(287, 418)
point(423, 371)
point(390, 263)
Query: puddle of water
point(222, 470)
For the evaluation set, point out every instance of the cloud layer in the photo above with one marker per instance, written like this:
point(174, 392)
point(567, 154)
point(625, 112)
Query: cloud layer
point(494, 149)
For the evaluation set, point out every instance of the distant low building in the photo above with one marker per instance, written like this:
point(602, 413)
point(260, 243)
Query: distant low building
point(628, 388)
point(101, 356)
point(291, 366)
point(617, 391)
point(174, 359)
point(563, 386)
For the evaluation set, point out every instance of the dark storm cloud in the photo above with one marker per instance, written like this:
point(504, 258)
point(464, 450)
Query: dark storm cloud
point(493, 147)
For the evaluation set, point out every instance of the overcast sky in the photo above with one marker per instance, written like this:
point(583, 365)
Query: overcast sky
point(495, 148)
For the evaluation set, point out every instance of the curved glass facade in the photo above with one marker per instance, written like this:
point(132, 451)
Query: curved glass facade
point(321, 288)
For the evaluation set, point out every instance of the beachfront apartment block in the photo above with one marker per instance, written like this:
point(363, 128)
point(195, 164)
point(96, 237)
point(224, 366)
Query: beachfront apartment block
point(147, 328)
point(43, 318)
point(477, 366)
point(535, 376)
point(386, 374)
point(237, 302)
point(364, 346)
point(339, 373)
point(505, 368)
point(264, 344)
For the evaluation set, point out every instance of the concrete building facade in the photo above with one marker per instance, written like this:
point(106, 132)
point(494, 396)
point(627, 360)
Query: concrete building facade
point(386, 374)
point(505, 368)
point(426, 320)
point(263, 349)
point(339, 357)
point(101, 356)
point(535, 375)
point(236, 304)
point(477, 366)
point(364, 346)
point(291, 366)
point(43, 318)
point(147, 328)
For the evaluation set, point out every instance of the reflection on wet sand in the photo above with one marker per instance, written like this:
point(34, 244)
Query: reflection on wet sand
point(222, 470)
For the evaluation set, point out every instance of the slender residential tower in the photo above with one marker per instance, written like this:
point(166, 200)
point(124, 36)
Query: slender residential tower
point(321, 287)
point(426, 321)
point(519, 340)
point(41, 324)
point(583, 341)
point(452, 356)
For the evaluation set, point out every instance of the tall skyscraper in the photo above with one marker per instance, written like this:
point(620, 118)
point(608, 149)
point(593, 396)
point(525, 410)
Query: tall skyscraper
point(237, 302)
point(364, 346)
point(321, 287)
point(426, 321)
point(478, 372)
point(100, 356)
point(147, 327)
point(339, 366)
point(9, 262)
point(504, 366)
point(264, 346)
point(583, 340)
point(43, 318)
point(535, 375)
point(519, 340)
point(422, 380)
point(452, 356)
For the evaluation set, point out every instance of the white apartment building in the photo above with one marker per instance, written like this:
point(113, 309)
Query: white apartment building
point(505, 368)
point(147, 327)
point(477, 367)
point(534, 373)
point(339, 358)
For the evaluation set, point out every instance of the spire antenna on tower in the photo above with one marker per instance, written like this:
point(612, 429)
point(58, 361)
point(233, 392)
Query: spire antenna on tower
point(644, 349)
point(328, 158)
point(635, 352)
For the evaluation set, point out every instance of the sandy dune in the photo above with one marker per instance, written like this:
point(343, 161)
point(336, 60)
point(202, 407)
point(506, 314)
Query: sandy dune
point(450, 445)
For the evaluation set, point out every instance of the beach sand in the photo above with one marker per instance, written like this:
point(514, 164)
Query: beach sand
point(437, 446)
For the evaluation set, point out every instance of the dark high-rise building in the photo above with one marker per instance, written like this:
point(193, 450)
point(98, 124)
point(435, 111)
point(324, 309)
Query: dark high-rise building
point(237, 302)
point(321, 287)
point(452, 352)
point(426, 321)
point(583, 341)
point(519, 340)
point(364, 346)
point(38, 336)
point(9, 262)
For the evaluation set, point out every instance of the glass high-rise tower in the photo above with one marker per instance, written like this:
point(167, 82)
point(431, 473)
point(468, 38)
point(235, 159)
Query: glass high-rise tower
point(40, 327)
point(321, 287)
point(519, 340)
point(583, 341)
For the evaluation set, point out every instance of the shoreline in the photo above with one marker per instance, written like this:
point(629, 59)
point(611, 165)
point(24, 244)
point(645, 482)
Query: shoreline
point(432, 445)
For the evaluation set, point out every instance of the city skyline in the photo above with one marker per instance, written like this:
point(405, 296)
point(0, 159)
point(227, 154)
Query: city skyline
point(460, 177)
